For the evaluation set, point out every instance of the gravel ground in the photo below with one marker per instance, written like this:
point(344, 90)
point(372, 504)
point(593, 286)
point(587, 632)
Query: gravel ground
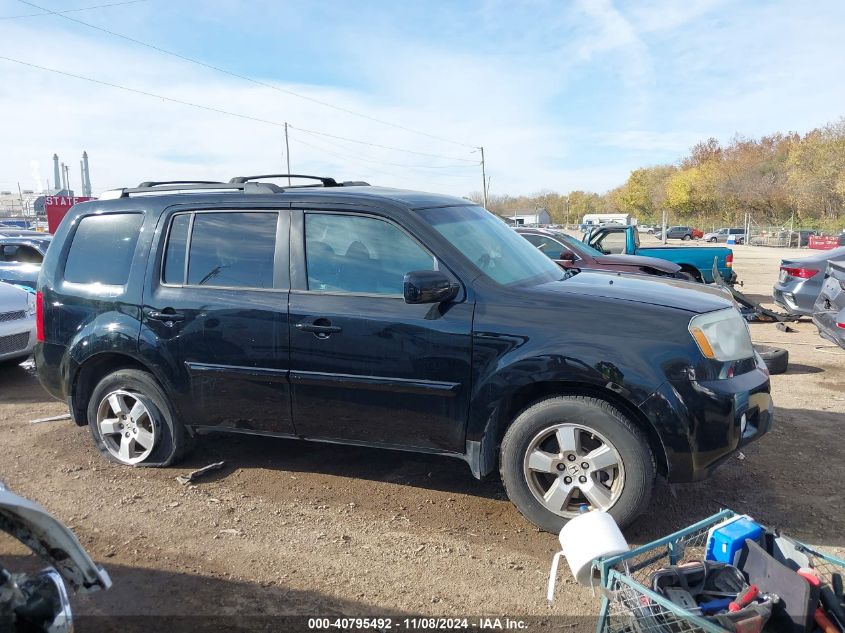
point(296, 528)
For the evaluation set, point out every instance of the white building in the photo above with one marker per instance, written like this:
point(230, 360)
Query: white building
point(540, 216)
point(605, 218)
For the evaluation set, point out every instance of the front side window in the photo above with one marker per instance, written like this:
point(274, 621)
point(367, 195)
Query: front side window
point(229, 250)
point(546, 245)
point(102, 249)
point(360, 254)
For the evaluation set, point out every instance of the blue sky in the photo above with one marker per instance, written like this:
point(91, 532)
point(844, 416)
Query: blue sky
point(563, 95)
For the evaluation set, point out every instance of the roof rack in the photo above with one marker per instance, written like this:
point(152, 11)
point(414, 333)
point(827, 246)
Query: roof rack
point(157, 183)
point(238, 184)
point(327, 182)
point(196, 187)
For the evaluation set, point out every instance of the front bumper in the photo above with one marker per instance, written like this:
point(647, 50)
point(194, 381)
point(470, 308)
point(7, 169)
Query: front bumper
point(826, 323)
point(700, 422)
point(17, 338)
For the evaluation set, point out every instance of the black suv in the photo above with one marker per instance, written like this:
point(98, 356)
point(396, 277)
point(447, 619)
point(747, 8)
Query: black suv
point(362, 315)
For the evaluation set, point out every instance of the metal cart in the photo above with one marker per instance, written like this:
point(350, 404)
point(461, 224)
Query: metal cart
point(629, 605)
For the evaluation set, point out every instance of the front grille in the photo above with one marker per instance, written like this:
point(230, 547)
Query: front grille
point(13, 343)
point(12, 316)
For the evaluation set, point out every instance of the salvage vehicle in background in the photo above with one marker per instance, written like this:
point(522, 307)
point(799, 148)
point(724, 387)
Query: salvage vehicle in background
point(829, 310)
point(21, 257)
point(571, 253)
point(721, 235)
point(696, 261)
point(371, 316)
point(17, 324)
point(676, 233)
point(38, 603)
point(800, 281)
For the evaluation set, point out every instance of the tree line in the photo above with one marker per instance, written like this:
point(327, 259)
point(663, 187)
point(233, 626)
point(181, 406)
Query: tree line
point(780, 180)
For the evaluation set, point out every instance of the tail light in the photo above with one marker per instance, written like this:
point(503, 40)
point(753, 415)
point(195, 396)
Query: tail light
point(800, 273)
point(39, 317)
point(729, 260)
point(841, 326)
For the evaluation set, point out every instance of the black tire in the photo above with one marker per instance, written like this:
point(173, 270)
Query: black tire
point(686, 276)
point(776, 358)
point(687, 237)
point(712, 240)
point(591, 413)
point(172, 440)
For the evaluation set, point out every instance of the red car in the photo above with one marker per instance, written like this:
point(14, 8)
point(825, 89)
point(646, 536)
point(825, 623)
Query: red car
point(697, 233)
point(570, 253)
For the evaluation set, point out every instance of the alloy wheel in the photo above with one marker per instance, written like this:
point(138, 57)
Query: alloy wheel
point(127, 426)
point(569, 465)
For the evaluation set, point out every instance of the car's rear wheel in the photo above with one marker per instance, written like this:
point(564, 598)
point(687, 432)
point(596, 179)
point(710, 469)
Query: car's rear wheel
point(132, 422)
point(687, 237)
point(569, 451)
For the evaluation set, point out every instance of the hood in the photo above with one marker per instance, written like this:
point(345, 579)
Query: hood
point(673, 293)
point(639, 260)
point(13, 298)
point(53, 542)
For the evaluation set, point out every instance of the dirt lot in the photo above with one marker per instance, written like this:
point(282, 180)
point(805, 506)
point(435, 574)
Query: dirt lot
point(296, 528)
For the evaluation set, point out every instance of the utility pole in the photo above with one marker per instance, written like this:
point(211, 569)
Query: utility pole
point(20, 197)
point(287, 150)
point(483, 177)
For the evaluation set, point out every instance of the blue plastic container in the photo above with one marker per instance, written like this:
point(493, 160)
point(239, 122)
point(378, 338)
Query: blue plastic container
point(725, 541)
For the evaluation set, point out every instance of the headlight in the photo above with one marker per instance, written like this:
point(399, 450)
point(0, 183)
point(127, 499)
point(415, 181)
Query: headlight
point(30, 304)
point(722, 335)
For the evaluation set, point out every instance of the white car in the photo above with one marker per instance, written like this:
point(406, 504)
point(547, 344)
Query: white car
point(17, 324)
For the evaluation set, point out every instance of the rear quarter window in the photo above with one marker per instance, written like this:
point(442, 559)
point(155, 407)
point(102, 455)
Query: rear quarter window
point(102, 249)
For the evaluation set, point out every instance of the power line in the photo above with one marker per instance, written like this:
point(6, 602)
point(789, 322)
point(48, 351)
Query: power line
point(47, 12)
point(373, 159)
point(395, 149)
point(142, 92)
point(212, 108)
point(246, 78)
point(356, 157)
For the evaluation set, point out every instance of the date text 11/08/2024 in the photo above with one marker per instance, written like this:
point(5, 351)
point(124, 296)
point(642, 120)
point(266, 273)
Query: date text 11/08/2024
point(418, 624)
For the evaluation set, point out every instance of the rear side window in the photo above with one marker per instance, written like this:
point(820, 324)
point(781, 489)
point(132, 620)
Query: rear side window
point(227, 250)
point(177, 243)
point(102, 249)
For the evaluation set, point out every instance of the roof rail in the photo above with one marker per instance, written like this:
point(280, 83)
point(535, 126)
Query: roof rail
point(156, 183)
point(327, 182)
point(215, 187)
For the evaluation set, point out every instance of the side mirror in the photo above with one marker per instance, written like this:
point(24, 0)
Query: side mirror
point(429, 286)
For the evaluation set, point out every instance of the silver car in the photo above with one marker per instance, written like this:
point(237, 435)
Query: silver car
point(17, 324)
point(722, 236)
point(800, 281)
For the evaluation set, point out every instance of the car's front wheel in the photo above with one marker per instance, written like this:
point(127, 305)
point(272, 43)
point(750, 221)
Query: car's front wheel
point(568, 451)
point(132, 422)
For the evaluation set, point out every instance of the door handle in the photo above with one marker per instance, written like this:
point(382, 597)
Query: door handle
point(320, 327)
point(166, 315)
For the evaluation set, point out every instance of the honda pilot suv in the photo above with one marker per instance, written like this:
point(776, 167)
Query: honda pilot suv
point(346, 313)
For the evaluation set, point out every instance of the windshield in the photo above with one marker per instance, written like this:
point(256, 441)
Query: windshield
point(496, 250)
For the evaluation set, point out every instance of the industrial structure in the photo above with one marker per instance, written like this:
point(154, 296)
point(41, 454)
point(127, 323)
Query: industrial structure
point(29, 202)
